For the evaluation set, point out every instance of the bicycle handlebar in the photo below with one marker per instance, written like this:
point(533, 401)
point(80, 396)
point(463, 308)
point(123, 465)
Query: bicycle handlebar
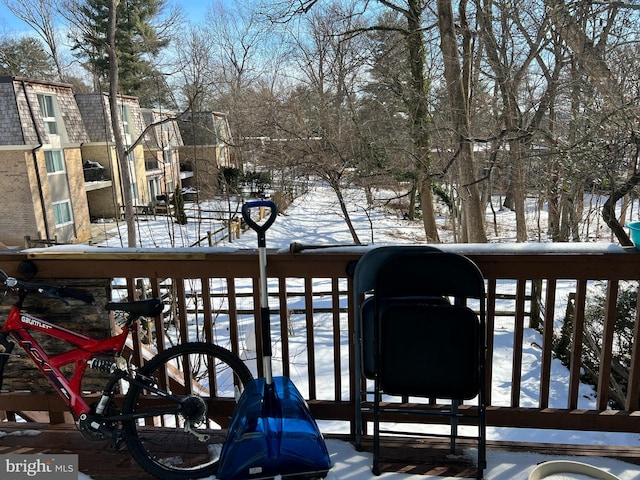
point(55, 292)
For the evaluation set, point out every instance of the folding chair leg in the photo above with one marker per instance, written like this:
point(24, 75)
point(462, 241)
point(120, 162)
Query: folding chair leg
point(454, 424)
point(377, 398)
point(482, 439)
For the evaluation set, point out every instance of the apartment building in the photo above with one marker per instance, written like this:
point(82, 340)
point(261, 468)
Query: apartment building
point(58, 163)
point(162, 142)
point(41, 163)
point(105, 197)
point(207, 148)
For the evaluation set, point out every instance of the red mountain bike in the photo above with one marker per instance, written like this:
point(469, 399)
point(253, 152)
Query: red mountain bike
point(171, 415)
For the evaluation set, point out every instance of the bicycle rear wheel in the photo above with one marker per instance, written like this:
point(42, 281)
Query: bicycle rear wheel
point(204, 382)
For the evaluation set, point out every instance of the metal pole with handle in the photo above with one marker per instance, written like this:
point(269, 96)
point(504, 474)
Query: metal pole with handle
point(265, 321)
point(272, 433)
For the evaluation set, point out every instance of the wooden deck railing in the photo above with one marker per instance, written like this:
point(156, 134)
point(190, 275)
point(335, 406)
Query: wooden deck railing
point(212, 293)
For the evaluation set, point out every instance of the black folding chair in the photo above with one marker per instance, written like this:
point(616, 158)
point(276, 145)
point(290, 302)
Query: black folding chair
point(417, 336)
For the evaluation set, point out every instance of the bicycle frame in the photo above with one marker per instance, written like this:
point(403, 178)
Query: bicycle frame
point(161, 401)
point(18, 325)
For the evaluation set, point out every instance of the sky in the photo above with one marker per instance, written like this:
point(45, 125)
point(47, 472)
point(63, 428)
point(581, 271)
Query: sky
point(195, 11)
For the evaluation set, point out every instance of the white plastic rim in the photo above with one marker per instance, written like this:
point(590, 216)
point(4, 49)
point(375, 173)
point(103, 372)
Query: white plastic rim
point(559, 467)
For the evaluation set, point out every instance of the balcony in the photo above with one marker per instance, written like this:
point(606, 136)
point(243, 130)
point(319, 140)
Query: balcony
point(310, 295)
point(96, 176)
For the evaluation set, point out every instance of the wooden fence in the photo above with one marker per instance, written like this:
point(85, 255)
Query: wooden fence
point(215, 292)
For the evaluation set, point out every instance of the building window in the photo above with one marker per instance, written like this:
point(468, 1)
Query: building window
point(48, 113)
point(62, 213)
point(133, 176)
point(168, 155)
point(124, 118)
point(154, 188)
point(55, 161)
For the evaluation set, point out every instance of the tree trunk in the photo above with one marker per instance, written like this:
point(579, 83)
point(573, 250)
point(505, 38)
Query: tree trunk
point(428, 213)
point(566, 204)
point(472, 211)
point(116, 125)
point(420, 117)
point(335, 185)
point(553, 228)
point(411, 214)
point(519, 188)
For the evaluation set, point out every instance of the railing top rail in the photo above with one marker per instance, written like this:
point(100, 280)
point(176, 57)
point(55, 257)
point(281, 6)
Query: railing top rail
point(509, 261)
point(529, 248)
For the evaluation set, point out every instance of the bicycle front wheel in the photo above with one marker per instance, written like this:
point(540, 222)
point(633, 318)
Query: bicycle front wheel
point(180, 417)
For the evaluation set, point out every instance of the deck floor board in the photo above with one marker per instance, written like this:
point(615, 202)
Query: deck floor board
point(418, 456)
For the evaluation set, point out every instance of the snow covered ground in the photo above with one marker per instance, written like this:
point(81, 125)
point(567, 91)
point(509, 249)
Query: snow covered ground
point(315, 219)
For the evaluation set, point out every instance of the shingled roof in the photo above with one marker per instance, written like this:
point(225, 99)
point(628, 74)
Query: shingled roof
point(20, 118)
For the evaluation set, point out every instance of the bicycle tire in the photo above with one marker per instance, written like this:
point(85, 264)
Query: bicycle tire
point(160, 444)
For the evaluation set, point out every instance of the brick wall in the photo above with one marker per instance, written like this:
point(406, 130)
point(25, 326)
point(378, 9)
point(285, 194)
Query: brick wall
point(79, 203)
point(17, 208)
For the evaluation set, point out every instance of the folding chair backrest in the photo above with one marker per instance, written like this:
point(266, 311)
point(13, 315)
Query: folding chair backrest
point(408, 325)
point(433, 273)
point(417, 335)
point(429, 350)
point(368, 316)
point(365, 271)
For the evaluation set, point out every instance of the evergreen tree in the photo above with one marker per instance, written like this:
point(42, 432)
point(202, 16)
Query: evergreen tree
point(137, 43)
point(26, 57)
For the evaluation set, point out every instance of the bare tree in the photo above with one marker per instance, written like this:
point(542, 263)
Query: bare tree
point(591, 57)
point(194, 62)
point(42, 16)
point(458, 89)
point(247, 63)
point(116, 125)
point(319, 122)
point(414, 97)
point(511, 65)
point(413, 11)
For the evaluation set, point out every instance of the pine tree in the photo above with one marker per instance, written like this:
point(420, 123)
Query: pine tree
point(26, 57)
point(137, 41)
